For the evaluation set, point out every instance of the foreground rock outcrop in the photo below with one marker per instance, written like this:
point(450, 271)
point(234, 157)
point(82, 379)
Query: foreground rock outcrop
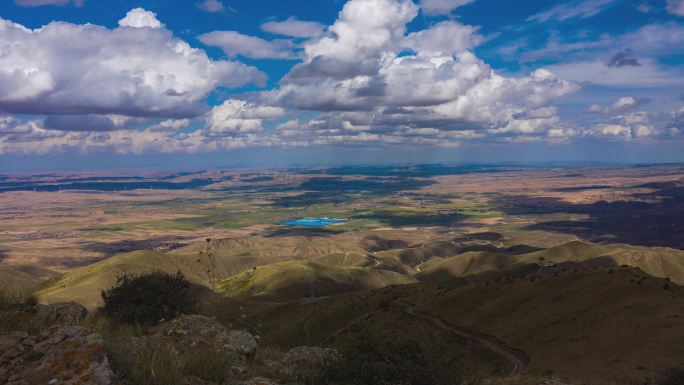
point(235, 349)
point(65, 355)
point(194, 330)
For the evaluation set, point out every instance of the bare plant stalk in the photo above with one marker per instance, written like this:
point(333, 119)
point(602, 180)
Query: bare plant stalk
point(208, 259)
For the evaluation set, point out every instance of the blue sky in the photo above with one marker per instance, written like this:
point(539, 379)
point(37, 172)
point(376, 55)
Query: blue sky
point(159, 83)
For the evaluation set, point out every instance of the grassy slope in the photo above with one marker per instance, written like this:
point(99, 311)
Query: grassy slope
point(441, 258)
point(233, 256)
point(345, 259)
point(17, 281)
point(659, 262)
point(588, 324)
point(405, 260)
point(298, 246)
point(294, 280)
point(85, 284)
point(593, 325)
point(420, 253)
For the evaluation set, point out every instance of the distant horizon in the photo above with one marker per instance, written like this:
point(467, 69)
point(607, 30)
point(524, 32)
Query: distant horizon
point(143, 170)
point(632, 153)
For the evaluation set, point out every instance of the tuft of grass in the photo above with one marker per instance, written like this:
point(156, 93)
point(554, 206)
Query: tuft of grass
point(163, 364)
point(206, 363)
point(117, 341)
point(160, 365)
point(266, 353)
point(9, 301)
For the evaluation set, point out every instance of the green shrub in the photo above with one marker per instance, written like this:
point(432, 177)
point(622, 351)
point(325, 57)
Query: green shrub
point(148, 299)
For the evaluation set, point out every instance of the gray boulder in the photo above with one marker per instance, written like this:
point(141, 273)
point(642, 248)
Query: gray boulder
point(237, 348)
point(198, 329)
point(242, 342)
point(65, 355)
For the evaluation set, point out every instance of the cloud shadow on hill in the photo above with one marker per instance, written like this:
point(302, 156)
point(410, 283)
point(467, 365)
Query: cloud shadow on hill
point(651, 219)
point(128, 245)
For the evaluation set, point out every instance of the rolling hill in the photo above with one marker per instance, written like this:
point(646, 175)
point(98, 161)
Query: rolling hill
point(293, 280)
point(21, 280)
point(233, 256)
point(346, 259)
point(657, 261)
point(84, 284)
point(435, 260)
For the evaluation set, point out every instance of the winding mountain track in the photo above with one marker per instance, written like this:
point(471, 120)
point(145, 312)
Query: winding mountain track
point(516, 357)
point(376, 261)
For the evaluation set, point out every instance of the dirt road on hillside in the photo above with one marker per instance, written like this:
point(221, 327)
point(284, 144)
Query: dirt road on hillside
point(516, 357)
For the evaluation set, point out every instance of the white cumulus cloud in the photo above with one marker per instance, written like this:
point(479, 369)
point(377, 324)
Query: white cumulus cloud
point(137, 69)
point(236, 44)
point(238, 116)
point(140, 18)
point(436, 90)
point(443, 39)
point(363, 80)
point(294, 27)
point(623, 104)
point(364, 29)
